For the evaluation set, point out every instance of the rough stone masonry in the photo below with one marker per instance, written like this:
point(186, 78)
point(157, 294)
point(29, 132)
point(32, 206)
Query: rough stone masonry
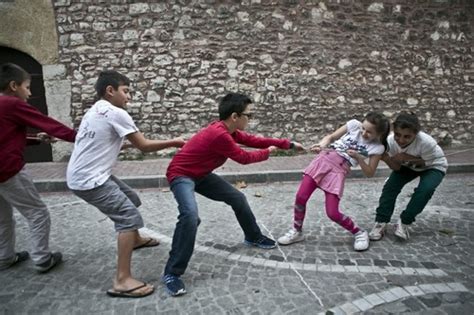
point(309, 65)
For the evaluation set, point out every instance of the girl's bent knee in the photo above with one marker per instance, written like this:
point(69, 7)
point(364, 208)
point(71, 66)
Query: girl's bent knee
point(335, 217)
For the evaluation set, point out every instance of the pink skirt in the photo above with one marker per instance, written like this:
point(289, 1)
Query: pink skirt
point(329, 171)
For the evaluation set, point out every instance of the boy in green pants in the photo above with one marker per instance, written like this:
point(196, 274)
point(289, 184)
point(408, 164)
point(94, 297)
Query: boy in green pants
point(412, 153)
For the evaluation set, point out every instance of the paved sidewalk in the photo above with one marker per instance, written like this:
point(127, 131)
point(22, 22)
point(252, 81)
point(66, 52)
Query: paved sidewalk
point(150, 173)
point(432, 273)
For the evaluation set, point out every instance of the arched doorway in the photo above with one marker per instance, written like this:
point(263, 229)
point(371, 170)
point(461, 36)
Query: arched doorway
point(41, 152)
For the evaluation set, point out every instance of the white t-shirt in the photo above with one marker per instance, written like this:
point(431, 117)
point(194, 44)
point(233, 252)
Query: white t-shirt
point(98, 143)
point(425, 147)
point(353, 140)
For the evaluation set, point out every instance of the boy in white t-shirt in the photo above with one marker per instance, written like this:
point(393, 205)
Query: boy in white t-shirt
point(412, 153)
point(89, 173)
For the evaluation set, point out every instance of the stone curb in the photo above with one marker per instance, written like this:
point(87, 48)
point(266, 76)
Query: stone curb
point(159, 181)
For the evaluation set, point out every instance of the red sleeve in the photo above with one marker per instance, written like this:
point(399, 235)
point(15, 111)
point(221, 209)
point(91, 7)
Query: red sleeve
point(30, 116)
point(259, 142)
point(226, 146)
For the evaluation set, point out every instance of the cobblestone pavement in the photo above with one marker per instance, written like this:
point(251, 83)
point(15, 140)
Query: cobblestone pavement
point(432, 273)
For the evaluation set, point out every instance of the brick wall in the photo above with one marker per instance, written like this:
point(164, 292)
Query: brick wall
point(309, 65)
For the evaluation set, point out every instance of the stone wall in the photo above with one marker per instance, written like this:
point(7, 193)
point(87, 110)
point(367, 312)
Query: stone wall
point(309, 65)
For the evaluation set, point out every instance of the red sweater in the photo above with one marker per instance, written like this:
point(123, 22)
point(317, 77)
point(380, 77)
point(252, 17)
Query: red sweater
point(15, 116)
point(213, 145)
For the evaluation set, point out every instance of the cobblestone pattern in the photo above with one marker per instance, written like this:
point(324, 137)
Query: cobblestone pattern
point(309, 65)
point(219, 280)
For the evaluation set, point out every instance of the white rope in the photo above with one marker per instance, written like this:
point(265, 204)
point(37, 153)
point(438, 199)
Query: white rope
point(294, 269)
point(72, 203)
point(442, 156)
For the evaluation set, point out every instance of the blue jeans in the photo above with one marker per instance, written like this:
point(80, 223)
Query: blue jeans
point(213, 187)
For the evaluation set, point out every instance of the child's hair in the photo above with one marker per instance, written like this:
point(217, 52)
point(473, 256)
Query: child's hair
point(233, 103)
point(11, 72)
point(407, 120)
point(112, 78)
point(382, 126)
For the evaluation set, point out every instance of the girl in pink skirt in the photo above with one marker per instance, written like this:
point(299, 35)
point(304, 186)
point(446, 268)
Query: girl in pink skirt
point(348, 146)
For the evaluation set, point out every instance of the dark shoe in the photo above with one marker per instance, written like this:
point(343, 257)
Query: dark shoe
point(174, 285)
point(19, 257)
point(130, 293)
point(262, 242)
point(53, 261)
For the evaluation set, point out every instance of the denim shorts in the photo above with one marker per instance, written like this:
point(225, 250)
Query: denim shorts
point(116, 200)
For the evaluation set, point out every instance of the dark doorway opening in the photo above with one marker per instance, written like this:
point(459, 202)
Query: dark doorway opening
point(41, 152)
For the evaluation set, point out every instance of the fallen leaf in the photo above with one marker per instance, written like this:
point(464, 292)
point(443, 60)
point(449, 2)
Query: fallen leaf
point(447, 231)
point(240, 184)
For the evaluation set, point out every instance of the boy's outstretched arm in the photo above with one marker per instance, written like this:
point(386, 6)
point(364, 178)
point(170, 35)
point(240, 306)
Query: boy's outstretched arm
point(297, 146)
point(138, 140)
point(32, 117)
point(263, 143)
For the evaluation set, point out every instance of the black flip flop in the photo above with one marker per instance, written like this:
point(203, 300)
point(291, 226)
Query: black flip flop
point(128, 293)
point(148, 243)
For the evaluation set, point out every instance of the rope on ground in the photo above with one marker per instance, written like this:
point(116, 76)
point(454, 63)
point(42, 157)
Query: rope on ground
point(73, 203)
point(294, 269)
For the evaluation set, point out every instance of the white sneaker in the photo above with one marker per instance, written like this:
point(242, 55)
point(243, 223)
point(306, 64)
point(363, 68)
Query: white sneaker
point(401, 230)
point(361, 240)
point(377, 231)
point(292, 236)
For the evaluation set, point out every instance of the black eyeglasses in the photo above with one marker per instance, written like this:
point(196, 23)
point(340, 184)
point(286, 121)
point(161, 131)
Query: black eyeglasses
point(249, 115)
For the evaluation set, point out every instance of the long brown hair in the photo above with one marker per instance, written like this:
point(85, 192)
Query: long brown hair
point(382, 126)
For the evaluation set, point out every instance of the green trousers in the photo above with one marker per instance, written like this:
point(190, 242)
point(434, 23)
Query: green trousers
point(429, 180)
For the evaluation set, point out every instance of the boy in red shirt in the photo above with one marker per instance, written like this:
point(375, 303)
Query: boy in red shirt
point(16, 188)
point(191, 169)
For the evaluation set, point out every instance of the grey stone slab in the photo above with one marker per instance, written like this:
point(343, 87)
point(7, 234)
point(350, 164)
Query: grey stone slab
point(399, 292)
point(428, 288)
point(388, 296)
point(414, 290)
point(349, 308)
point(457, 286)
point(441, 287)
point(374, 299)
point(362, 304)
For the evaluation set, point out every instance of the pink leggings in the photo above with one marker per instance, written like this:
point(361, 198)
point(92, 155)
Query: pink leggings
point(306, 189)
